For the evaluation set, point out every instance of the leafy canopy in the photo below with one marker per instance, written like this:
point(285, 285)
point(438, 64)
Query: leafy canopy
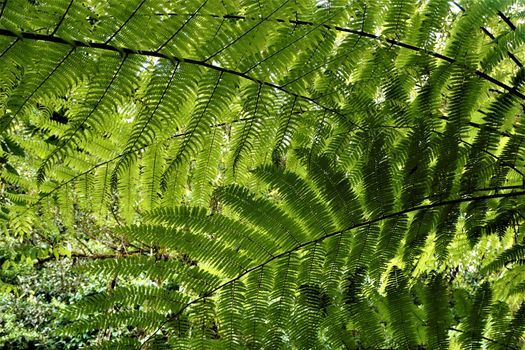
point(272, 174)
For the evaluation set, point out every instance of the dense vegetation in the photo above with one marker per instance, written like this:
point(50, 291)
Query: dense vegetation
point(329, 174)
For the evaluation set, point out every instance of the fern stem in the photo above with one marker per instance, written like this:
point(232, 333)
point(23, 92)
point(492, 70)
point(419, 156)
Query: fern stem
point(507, 21)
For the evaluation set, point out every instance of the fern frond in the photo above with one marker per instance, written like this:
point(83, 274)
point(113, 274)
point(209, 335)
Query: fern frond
point(143, 297)
point(113, 80)
point(399, 310)
point(312, 300)
point(153, 163)
point(510, 336)
point(283, 174)
point(363, 246)
point(218, 227)
point(216, 255)
point(214, 94)
point(257, 98)
point(335, 187)
point(259, 286)
point(261, 213)
point(363, 316)
point(287, 124)
point(477, 318)
point(515, 254)
point(299, 198)
point(120, 319)
point(231, 314)
point(179, 271)
point(281, 299)
point(118, 343)
point(437, 312)
point(376, 176)
point(389, 241)
point(397, 16)
point(207, 168)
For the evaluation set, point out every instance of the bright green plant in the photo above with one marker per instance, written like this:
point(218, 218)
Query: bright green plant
point(274, 174)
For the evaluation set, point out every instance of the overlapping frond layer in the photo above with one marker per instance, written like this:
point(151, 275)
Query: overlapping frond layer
point(274, 174)
point(249, 259)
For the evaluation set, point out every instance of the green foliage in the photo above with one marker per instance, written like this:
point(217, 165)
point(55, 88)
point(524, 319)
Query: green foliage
point(270, 174)
point(28, 313)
